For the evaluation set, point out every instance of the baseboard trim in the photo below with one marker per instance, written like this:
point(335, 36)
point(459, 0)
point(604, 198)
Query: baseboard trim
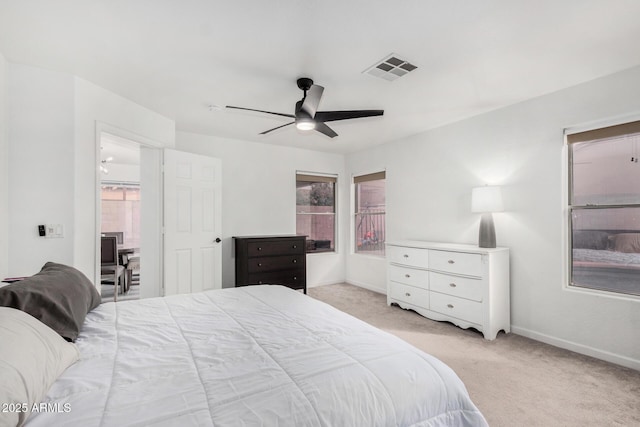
point(366, 286)
point(315, 285)
point(578, 348)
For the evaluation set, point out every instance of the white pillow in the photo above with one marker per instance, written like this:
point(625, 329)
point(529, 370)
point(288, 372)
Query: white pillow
point(32, 357)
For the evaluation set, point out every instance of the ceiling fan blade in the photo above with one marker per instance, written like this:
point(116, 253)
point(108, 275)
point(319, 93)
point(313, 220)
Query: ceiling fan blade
point(276, 128)
point(262, 111)
point(332, 116)
point(322, 128)
point(312, 100)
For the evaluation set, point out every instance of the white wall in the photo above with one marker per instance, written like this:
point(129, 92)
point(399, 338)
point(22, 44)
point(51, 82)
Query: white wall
point(40, 135)
point(4, 173)
point(429, 181)
point(52, 122)
point(258, 196)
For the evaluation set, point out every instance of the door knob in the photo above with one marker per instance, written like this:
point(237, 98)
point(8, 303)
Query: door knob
point(218, 240)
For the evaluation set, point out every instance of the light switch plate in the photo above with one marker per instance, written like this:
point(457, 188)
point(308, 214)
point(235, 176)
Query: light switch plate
point(54, 230)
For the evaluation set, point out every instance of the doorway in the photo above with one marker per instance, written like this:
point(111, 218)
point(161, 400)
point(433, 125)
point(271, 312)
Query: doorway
point(120, 218)
point(171, 248)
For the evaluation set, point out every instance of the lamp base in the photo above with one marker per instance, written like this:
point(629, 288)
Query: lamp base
point(487, 234)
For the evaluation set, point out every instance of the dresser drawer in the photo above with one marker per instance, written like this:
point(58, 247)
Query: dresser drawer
point(456, 262)
point(463, 287)
point(271, 263)
point(281, 247)
point(291, 278)
point(409, 294)
point(459, 308)
point(409, 276)
point(408, 256)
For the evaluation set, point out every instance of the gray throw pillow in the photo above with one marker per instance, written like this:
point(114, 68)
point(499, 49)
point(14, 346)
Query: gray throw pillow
point(59, 296)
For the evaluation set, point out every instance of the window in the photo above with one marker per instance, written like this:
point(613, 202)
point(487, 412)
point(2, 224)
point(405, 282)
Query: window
point(316, 211)
point(121, 212)
point(604, 208)
point(369, 225)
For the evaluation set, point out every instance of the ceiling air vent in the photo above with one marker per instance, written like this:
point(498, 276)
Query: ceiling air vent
point(390, 68)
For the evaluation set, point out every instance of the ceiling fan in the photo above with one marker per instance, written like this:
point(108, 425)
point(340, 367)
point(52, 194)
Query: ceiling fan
point(306, 116)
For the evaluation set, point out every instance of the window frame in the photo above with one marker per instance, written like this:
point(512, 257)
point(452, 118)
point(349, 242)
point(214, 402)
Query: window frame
point(321, 177)
point(593, 133)
point(380, 174)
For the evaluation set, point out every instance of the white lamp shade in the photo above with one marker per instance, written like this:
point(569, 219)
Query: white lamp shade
point(486, 199)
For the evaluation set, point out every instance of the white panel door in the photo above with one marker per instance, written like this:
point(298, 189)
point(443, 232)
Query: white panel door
point(192, 217)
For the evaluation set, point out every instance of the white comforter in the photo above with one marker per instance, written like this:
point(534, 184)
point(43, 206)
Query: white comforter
point(251, 356)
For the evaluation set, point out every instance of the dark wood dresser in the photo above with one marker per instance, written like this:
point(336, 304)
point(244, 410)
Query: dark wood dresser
point(271, 260)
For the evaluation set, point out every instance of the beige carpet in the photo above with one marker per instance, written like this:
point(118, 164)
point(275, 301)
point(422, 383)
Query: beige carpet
point(513, 380)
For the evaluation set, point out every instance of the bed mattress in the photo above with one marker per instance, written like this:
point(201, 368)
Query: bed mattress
point(257, 355)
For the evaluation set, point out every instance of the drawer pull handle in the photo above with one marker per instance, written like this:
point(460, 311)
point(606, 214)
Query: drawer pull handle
point(451, 261)
point(295, 260)
point(407, 294)
point(406, 256)
point(259, 264)
point(450, 305)
point(295, 247)
point(453, 285)
point(295, 278)
point(407, 275)
point(259, 282)
point(259, 248)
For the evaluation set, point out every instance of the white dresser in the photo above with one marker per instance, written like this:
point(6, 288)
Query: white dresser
point(462, 284)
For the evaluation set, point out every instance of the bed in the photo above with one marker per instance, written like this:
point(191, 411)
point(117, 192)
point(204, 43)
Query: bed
point(607, 260)
point(257, 355)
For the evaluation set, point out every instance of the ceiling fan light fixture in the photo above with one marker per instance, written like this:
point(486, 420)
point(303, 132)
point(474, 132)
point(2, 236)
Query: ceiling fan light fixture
point(305, 124)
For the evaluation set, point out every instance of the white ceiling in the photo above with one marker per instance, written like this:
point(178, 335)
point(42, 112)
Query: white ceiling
point(178, 57)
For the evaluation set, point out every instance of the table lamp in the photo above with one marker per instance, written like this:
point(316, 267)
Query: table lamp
point(486, 200)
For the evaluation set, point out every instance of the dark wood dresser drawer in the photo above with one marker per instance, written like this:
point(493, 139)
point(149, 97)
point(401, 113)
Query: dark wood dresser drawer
point(274, 263)
point(293, 278)
point(275, 260)
point(272, 247)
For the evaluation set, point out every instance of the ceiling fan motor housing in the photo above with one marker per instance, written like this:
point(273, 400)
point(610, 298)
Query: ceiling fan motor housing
point(305, 83)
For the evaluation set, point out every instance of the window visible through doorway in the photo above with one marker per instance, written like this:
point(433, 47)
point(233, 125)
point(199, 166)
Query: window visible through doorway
point(370, 212)
point(121, 212)
point(316, 211)
point(604, 208)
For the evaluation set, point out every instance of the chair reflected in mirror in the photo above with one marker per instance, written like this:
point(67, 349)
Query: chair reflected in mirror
point(119, 235)
point(111, 272)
